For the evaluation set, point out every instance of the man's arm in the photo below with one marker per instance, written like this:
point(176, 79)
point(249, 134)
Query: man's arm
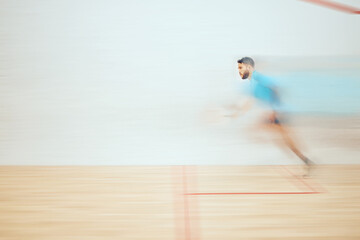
point(240, 109)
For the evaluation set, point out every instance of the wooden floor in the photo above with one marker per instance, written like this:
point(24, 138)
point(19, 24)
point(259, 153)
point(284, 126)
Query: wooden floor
point(179, 202)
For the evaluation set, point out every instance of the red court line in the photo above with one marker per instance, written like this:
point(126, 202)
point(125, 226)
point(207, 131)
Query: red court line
point(186, 221)
point(186, 195)
point(249, 193)
point(336, 6)
point(178, 204)
point(186, 206)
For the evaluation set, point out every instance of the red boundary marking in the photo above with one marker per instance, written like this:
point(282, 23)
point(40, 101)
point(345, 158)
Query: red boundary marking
point(186, 206)
point(336, 6)
point(248, 193)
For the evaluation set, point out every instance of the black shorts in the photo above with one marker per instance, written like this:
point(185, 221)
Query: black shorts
point(279, 119)
point(274, 121)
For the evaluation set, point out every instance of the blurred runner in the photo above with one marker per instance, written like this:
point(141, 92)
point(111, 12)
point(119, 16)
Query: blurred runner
point(263, 90)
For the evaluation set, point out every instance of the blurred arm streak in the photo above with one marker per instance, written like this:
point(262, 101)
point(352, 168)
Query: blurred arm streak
point(240, 108)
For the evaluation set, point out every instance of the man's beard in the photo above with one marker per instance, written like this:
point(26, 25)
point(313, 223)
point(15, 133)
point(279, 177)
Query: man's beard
point(246, 75)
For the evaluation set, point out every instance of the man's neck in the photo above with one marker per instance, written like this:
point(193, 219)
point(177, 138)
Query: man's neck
point(250, 75)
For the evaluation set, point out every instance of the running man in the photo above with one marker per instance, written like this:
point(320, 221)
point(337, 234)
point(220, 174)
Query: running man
point(263, 90)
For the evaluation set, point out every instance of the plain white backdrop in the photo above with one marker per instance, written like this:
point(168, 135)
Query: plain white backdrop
point(126, 82)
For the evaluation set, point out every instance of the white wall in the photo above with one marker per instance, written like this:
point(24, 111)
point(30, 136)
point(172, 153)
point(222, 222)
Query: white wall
point(123, 82)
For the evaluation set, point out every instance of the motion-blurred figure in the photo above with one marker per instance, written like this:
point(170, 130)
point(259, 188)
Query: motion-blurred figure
point(263, 89)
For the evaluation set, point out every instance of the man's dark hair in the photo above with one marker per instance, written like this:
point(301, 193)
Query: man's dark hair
point(247, 60)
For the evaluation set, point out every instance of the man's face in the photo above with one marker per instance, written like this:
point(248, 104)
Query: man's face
point(244, 70)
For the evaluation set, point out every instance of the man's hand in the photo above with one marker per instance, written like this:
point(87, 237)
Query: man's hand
point(234, 110)
point(233, 115)
point(238, 110)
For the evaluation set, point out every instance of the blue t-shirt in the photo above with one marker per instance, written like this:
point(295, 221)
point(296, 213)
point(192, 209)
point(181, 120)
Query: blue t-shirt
point(263, 88)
